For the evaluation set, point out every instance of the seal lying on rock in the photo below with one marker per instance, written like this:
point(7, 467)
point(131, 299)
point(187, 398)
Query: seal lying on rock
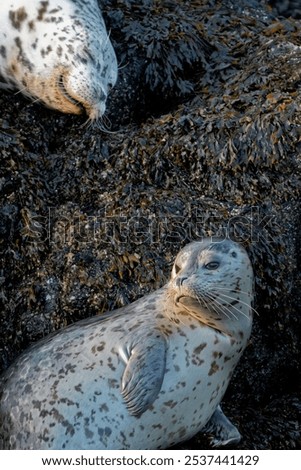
point(59, 52)
point(146, 376)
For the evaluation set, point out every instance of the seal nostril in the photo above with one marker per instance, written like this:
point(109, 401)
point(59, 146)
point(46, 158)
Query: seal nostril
point(180, 280)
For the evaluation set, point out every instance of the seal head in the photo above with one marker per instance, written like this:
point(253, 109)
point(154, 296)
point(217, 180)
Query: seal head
point(213, 279)
point(58, 52)
point(146, 376)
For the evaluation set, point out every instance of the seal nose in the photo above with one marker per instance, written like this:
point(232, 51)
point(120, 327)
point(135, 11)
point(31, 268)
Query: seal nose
point(180, 280)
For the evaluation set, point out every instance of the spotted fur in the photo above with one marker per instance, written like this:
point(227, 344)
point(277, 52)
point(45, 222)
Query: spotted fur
point(58, 52)
point(146, 376)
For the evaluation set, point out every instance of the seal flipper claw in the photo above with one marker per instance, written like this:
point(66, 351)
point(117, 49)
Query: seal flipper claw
point(224, 432)
point(144, 373)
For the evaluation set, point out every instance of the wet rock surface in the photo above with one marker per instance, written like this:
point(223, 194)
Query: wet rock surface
point(287, 8)
point(205, 140)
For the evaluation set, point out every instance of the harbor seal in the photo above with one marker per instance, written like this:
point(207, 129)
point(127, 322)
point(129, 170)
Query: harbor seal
point(58, 52)
point(145, 376)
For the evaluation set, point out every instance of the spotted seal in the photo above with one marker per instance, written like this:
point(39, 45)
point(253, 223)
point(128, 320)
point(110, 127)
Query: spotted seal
point(146, 376)
point(58, 52)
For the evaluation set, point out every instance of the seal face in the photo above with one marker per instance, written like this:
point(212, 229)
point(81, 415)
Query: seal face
point(59, 52)
point(146, 376)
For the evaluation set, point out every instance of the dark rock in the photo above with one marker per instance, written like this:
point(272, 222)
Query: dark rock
point(286, 7)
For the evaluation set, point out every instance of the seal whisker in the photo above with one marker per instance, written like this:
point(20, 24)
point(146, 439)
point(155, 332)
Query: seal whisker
point(230, 288)
point(106, 121)
point(121, 67)
point(22, 90)
point(108, 37)
point(214, 305)
point(101, 126)
point(25, 92)
point(229, 291)
point(220, 309)
point(223, 306)
point(202, 300)
point(207, 300)
point(215, 301)
point(88, 123)
point(240, 301)
point(106, 131)
point(35, 100)
point(221, 294)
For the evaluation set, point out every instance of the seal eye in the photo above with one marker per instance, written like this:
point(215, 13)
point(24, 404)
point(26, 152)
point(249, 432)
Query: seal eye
point(212, 265)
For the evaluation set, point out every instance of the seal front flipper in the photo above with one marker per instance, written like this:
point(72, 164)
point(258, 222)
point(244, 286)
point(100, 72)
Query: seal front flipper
point(224, 433)
point(144, 372)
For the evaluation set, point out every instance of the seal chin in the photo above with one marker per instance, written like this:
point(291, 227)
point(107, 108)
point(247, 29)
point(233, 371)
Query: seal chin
point(95, 112)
